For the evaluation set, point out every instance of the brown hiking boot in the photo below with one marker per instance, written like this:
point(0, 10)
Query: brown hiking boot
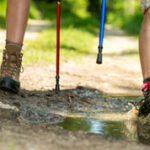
point(10, 68)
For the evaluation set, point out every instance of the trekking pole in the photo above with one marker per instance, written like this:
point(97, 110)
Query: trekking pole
point(57, 88)
point(101, 33)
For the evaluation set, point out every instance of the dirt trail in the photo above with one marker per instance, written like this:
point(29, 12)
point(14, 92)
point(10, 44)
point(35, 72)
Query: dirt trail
point(33, 29)
point(120, 73)
point(27, 120)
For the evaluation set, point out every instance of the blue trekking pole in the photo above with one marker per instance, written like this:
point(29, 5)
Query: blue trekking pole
point(101, 33)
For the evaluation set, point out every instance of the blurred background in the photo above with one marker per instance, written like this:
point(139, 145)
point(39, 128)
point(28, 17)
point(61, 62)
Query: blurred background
point(121, 13)
point(79, 20)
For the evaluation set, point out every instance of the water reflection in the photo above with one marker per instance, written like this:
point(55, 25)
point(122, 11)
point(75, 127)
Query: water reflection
point(115, 129)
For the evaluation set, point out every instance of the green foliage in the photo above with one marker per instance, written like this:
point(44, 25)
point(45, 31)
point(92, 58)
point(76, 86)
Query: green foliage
point(132, 24)
point(2, 13)
point(34, 12)
point(121, 13)
point(94, 8)
point(125, 14)
point(68, 8)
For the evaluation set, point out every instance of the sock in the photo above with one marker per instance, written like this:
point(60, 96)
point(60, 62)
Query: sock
point(12, 46)
point(146, 84)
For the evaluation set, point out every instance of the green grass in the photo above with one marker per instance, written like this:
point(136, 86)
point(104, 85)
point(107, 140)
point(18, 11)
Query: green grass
point(75, 44)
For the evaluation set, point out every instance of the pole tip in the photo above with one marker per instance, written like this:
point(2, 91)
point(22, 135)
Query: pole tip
point(99, 56)
point(57, 88)
point(99, 59)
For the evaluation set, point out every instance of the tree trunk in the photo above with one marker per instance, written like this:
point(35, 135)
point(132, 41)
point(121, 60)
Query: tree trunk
point(94, 7)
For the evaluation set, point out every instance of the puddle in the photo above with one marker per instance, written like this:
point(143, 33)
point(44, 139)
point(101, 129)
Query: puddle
point(99, 114)
point(116, 119)
point(119, 126)
point(131, 130)
point(119, 130)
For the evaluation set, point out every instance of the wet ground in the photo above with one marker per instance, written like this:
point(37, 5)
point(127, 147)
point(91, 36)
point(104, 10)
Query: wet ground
point(43, 119)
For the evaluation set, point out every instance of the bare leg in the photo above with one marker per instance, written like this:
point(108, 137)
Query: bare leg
point(16, 19)
point(144, 45)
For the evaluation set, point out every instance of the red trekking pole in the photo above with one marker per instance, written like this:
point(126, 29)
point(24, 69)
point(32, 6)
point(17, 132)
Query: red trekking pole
point(57, 89)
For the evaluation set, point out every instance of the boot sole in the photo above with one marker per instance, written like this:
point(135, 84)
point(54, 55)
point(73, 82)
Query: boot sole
point(9, 85)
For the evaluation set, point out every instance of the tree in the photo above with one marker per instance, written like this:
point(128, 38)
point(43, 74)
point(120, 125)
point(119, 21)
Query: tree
point(94, 7)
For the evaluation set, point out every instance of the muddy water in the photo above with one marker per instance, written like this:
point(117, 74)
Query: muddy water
point(120, 126)
point(118, 119)
point(113, 129)
point(112, 117)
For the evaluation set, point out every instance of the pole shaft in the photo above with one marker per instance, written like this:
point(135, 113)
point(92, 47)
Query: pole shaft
point(57, 88)
point(101, 33)
point(58, 38)
point(102, 23)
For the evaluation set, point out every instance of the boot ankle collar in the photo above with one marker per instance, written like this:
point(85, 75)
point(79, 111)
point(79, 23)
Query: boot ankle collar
point(13, 48)
point(145, 86)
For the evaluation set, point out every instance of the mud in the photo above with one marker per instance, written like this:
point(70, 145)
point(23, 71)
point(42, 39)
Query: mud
point(31, 120)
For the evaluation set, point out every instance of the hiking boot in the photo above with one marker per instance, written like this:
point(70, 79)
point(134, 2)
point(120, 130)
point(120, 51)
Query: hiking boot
point(10, 68)
point(144, 108)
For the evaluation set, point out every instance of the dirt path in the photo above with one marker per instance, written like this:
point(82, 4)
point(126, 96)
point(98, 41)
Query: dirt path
point(33, 29)
point(28, 120)
point(120, 73)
